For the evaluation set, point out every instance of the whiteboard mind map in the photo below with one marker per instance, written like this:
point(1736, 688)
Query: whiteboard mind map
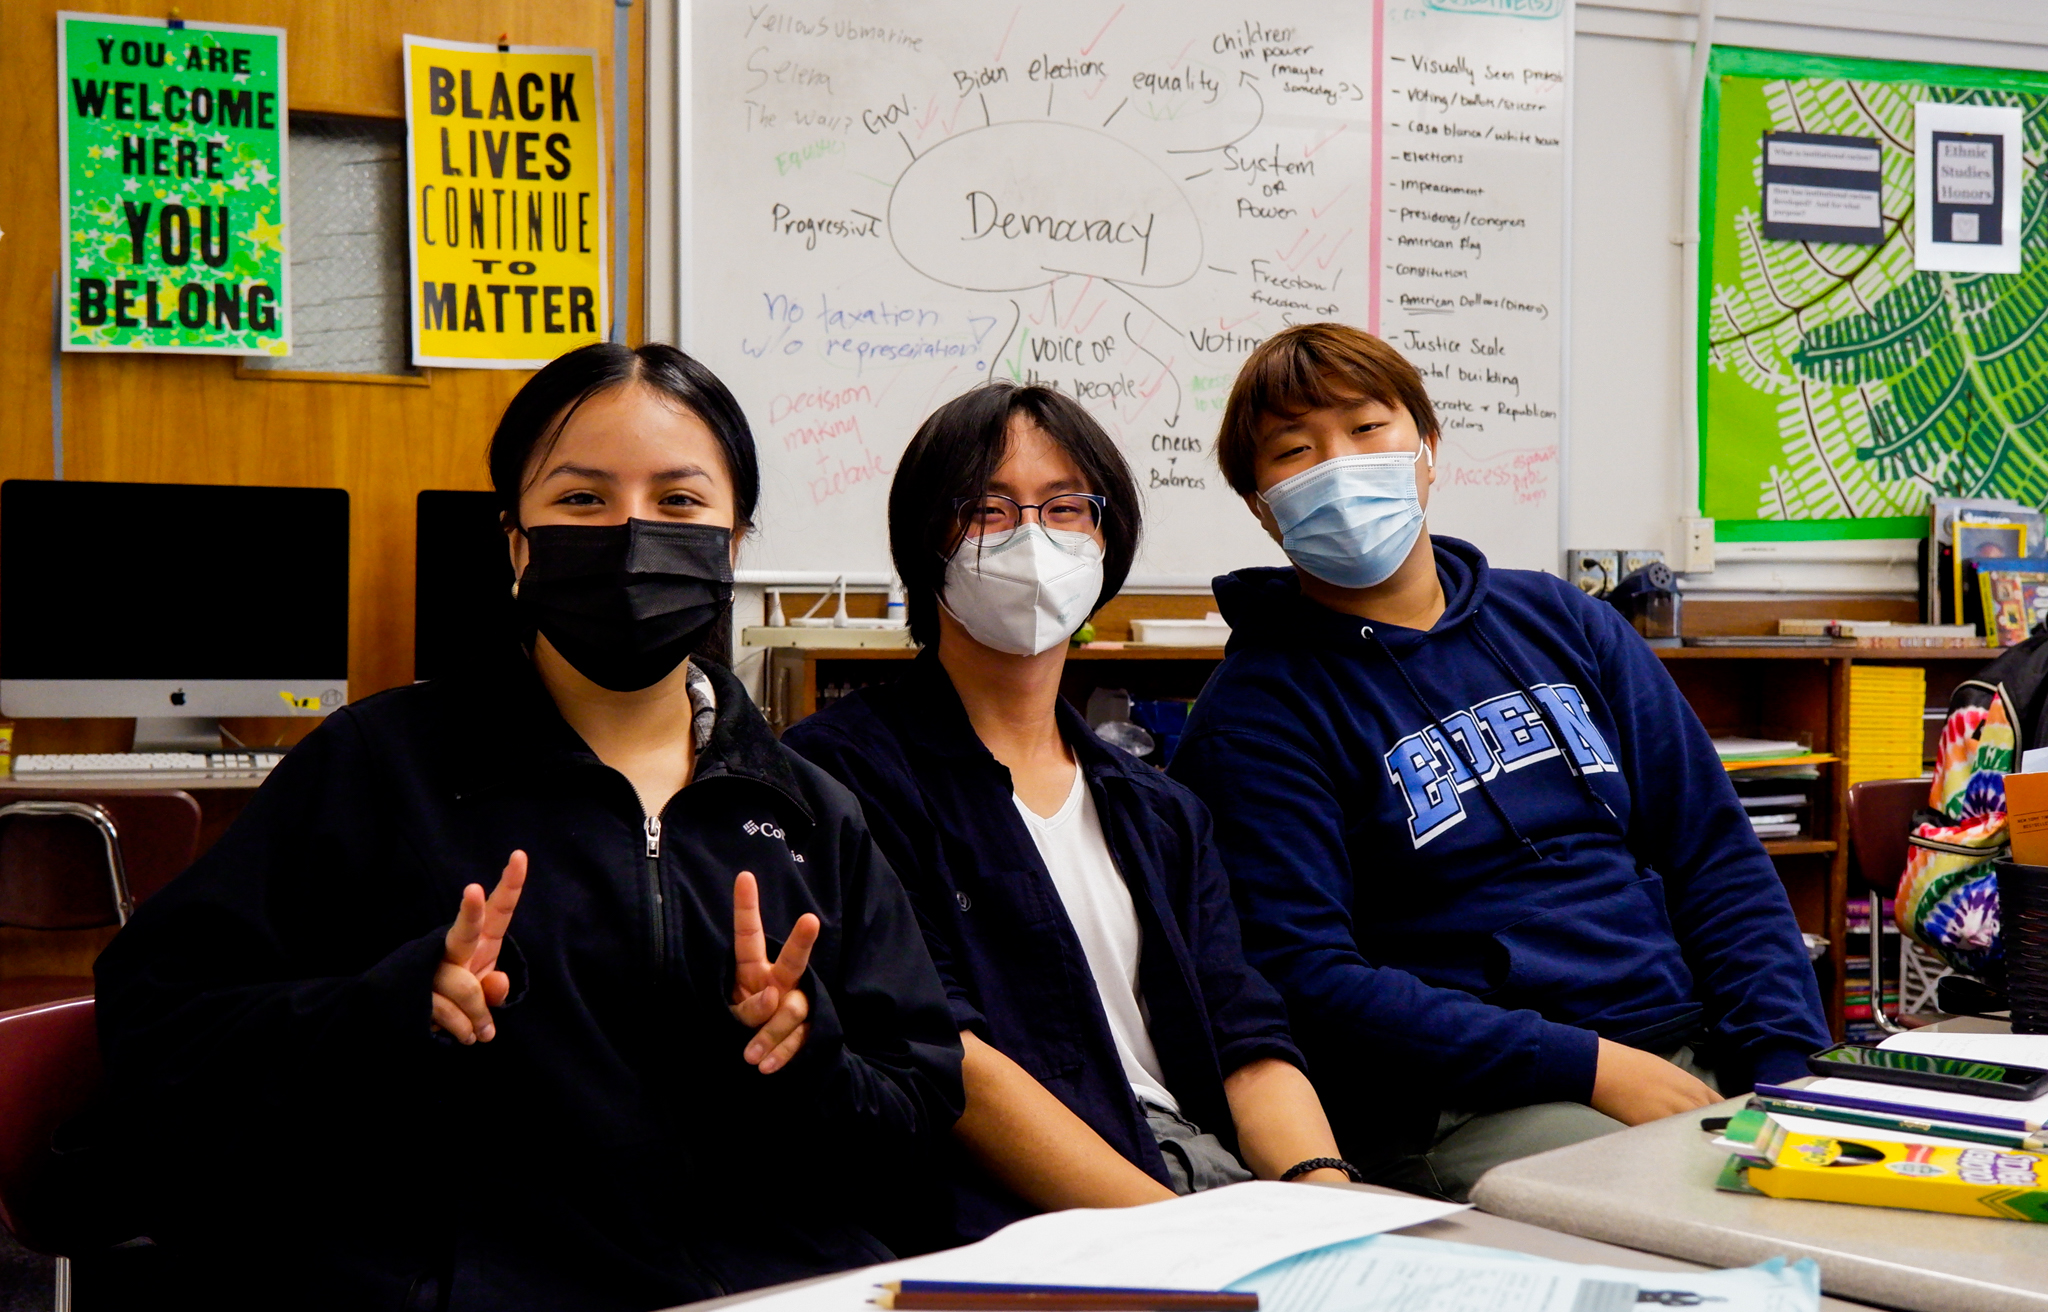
point(894, 202)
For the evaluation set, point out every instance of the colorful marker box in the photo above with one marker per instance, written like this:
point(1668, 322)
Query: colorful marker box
point(1966, 1179)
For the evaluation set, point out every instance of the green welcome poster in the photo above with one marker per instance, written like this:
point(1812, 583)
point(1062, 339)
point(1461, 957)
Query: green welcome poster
point(171, 142)
point(1840, 385)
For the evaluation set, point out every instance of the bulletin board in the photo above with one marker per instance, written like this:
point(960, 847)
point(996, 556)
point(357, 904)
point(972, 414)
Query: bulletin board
point(1840, 387)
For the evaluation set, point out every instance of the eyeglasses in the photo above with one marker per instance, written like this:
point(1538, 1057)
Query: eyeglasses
point(991, 519)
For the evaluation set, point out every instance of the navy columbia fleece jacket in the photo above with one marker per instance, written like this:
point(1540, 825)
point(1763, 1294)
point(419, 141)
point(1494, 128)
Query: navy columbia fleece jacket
point(1457, 905)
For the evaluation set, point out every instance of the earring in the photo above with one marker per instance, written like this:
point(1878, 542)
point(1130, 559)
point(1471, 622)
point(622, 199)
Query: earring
point(515, 589)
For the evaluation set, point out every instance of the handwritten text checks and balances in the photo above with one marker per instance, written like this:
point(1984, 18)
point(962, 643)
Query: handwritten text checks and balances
point(1471, 199)
point(174, 212)
point(508, 203)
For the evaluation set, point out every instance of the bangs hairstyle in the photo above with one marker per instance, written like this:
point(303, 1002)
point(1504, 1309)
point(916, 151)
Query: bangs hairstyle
point(956, 454)
point(535, 419)
point(1309, 367)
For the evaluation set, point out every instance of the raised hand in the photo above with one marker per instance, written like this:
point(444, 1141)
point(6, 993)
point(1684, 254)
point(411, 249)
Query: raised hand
point(764, 993)
point(468, 983)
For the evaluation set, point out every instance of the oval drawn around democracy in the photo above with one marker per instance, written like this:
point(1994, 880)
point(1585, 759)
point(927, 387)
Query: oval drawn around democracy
point(1016, 205)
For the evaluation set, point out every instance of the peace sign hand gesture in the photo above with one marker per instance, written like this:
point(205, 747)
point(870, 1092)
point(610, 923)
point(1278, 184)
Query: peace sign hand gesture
point(468, 983)
point(764, 993)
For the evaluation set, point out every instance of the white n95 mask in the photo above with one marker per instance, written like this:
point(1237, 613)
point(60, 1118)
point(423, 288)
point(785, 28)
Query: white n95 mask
point(1350, 521)
point(1028, 593)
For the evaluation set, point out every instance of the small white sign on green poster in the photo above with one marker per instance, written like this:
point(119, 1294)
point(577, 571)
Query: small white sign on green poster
point(171, 141)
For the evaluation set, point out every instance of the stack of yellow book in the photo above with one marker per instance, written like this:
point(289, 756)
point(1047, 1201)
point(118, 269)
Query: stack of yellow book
point(1886, 721)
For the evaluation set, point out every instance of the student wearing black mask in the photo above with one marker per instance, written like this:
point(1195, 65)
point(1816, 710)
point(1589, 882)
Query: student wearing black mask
point(666, 1057)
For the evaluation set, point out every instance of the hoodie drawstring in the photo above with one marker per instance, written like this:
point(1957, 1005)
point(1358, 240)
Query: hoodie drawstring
point(1550, 726)
point(1451, 744)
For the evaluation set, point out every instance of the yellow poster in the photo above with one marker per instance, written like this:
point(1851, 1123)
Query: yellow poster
point(505, 162)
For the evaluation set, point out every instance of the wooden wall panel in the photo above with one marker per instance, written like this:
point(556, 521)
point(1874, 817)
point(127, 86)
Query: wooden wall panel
point(190, 419)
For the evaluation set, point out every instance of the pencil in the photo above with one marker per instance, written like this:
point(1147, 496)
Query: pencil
point(972, 1296)
point(1897, 1109)
point(2000, 1138)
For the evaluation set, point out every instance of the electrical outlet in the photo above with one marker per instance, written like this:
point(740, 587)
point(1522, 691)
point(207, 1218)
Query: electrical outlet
point(1695, 545)
point(1592, 570)
point(1631, 561)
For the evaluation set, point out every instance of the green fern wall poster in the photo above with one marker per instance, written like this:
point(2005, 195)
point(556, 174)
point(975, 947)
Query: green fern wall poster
point(1840, 387)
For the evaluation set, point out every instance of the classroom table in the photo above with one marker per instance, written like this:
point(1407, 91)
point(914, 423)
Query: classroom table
point(1470, 1227)
point(1652, 1188)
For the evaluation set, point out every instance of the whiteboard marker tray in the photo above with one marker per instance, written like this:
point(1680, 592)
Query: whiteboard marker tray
point(764, 636)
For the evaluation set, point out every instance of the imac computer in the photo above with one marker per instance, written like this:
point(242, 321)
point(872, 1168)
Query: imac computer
point(462, 595)
point(172, 603)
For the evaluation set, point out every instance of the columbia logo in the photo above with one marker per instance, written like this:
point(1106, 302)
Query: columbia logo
point(762, 827)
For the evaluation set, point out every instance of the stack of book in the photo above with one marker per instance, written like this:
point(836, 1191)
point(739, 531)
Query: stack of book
point(1883, 635)
point(1887, 726)
point(1777, 808)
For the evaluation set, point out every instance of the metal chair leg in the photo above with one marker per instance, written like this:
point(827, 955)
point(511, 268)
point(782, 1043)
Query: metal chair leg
point(97, 817)
point(63, 1284)
point(1884, 1023)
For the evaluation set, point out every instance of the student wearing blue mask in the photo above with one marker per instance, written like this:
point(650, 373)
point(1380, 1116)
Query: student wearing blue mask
point(1118, 1048)
point(1477, 838)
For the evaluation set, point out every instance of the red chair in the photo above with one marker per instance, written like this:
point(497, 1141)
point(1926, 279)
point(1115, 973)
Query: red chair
point(80, 859)
point(1880, 821)
point(49, 1069)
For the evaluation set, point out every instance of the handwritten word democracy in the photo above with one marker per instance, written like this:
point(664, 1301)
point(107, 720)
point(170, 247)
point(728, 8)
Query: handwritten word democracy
point(987, 216)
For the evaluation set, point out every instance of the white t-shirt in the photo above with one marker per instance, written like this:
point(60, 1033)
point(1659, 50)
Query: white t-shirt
point(1076, 855)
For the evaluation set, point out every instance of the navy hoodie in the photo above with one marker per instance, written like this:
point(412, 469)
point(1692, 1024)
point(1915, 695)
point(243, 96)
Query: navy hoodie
point(1456, 905)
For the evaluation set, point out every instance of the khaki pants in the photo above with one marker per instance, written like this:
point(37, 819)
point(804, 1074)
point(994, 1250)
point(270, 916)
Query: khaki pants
point(1469, 1144)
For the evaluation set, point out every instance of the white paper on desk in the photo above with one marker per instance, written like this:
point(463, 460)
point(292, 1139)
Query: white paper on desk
point(1203, 1241)
point(2014, 1049)
point(1396, 1273)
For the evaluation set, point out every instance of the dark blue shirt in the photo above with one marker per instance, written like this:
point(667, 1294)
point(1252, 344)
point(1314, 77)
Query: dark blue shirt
point(940, 809)
point(1468, 854)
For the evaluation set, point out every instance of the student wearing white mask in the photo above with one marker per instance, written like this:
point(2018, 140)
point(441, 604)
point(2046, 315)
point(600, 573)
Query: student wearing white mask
point(1119, 1049)
point(1479, 840)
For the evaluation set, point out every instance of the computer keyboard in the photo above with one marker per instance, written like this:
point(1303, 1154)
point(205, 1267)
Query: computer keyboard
point(154, 763)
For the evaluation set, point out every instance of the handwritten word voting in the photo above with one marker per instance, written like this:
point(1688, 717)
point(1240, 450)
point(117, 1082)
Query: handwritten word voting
point(895, 201)
point(505, 163)
point(172, 145)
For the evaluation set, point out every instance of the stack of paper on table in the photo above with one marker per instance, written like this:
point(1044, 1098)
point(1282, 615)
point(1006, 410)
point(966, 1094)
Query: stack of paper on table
point(1302, 1249)
point(1786, 1155)
point(1203, 1241)
point(1400, 1274)
point(2011, 1049)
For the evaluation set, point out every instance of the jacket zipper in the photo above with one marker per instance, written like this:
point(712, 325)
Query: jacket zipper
point(655, 916)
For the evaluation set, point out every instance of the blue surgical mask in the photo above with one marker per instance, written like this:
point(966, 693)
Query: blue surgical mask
point(1350, 521)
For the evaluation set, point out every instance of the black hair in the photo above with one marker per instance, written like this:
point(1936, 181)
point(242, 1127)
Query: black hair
point(956, 453)
point(534, 421)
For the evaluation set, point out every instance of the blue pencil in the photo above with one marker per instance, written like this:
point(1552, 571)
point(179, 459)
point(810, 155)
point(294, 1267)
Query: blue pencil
point(1897, 1109)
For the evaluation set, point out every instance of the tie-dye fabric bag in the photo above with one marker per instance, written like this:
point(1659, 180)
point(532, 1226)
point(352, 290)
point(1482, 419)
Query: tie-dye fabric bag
point(1948, 899)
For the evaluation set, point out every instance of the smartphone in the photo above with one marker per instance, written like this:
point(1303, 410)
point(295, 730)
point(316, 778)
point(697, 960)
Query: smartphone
point(1984, 1079)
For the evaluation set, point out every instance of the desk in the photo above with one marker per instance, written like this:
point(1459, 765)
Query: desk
point(1652, 1188)
point(221, 796)
point(1459, 1228)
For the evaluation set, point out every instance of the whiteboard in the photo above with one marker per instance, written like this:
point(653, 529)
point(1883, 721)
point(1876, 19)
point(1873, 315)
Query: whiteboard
point(892, 201)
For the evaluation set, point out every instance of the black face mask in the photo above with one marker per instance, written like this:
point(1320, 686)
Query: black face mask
point(623, 603)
